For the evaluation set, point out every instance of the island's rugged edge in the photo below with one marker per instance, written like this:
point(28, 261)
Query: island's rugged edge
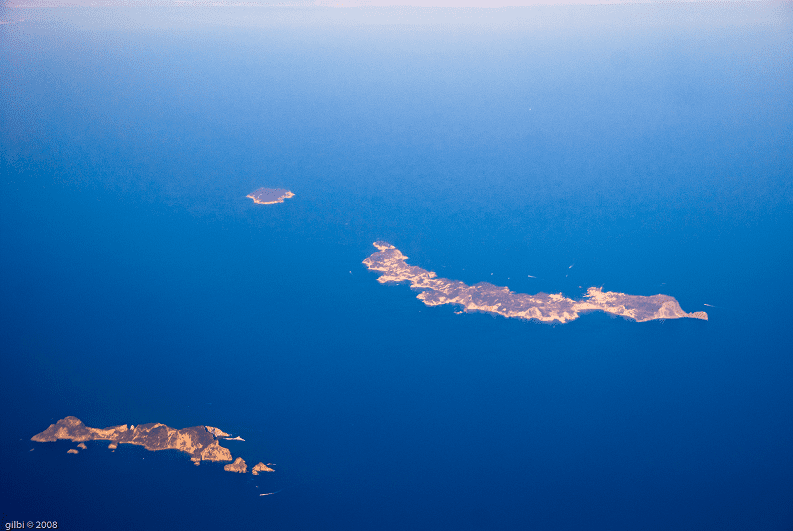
point(269, 196)
point(201, 442)
point(547, 308)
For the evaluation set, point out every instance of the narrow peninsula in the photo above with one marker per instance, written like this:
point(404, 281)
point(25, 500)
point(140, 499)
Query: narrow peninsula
point(269, 196)
point(200, 442)
point(542, 307)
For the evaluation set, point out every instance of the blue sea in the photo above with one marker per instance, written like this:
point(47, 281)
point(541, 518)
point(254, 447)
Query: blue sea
point(644, 148)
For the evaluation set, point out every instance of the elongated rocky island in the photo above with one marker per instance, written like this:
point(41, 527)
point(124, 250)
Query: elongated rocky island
point(269, 196)
point(200, 442)
point(543, 307)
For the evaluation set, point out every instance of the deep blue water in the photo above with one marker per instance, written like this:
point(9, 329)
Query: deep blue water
point(139, 285)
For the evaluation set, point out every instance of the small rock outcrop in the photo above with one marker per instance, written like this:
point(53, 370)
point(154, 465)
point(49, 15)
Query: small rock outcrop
point(237, 466)
point(261, 467)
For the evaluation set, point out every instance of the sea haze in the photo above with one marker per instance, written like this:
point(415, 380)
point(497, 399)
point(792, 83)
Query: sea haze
point(645, 149)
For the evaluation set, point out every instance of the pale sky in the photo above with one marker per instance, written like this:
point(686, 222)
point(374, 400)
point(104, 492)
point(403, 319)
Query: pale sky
point(330, 3)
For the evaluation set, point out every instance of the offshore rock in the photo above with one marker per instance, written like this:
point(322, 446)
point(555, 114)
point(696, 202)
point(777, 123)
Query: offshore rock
point(261, 467)
point(269, 196)
point(237, 466)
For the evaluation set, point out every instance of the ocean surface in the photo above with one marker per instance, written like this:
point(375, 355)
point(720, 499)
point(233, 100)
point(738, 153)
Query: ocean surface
point(645, 149)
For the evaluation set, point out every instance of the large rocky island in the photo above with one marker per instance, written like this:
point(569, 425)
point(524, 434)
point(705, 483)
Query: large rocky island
point(200, 442)
point(269, 196)
point(543, 307)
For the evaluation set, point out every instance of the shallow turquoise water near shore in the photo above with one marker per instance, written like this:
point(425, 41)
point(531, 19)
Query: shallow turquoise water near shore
point(139, 285)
